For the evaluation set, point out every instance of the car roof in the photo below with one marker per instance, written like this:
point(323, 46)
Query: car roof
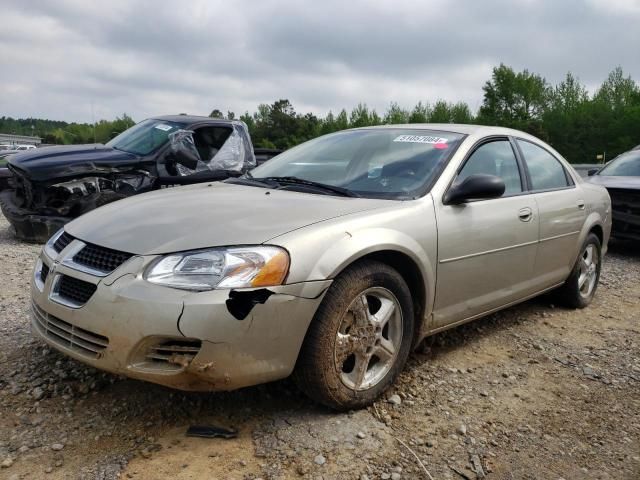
point(191, 119)
point(464, 129)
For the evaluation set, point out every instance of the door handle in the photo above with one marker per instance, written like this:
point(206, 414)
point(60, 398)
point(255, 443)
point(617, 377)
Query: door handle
point(525, 214)
point(581, 204)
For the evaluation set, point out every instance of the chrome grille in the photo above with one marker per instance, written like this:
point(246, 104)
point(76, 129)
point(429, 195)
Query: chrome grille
point(74, 289)
point(67, 335)
point(62, 242)
point(100, 258)
point(44, 272)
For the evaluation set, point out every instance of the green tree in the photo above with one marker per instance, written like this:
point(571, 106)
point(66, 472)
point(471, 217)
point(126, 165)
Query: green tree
point(515, 100)
point(396, 115)
point(420, 113)
point(360, 116)
point(342, 120)
point(328, 124)
point(440, 113)
point(461, 113)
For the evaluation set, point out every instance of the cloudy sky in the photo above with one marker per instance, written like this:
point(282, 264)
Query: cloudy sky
point(61, 59)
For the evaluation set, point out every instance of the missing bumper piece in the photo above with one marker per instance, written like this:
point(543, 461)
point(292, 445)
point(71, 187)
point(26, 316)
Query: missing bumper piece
point(240, 304)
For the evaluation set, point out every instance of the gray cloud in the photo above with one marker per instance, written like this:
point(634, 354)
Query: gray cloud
point(61, 59)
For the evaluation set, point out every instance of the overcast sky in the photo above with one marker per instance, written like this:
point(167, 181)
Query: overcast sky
point(61, 58)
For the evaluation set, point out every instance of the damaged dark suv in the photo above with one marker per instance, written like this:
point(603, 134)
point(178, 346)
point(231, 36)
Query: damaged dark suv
point(50, 186)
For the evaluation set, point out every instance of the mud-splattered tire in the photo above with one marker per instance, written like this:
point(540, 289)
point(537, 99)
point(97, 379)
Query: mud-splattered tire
point(581, 286)
point(360, 337)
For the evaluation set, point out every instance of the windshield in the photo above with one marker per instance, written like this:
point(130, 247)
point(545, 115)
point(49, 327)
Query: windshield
point(145, 137)
point(626, 165)
point(376, 162)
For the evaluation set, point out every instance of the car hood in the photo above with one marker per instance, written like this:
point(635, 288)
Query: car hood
point(207, 215)
point(49, 163)
point(631, 183)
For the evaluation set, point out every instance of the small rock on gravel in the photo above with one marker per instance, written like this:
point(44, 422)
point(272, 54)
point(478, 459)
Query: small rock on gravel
point(320, 460)
point(7, 462)
point(37, 393)
point(462, 429)
point(57, 447)
point(395, 399)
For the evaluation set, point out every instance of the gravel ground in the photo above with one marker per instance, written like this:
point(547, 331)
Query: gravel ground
point(533, 392)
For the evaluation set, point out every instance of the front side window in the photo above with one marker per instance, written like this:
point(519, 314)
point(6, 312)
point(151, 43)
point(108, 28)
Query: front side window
point(626, 165)
point(494, 158)
point(545, 171)
point(145, 137)
point(375, 162)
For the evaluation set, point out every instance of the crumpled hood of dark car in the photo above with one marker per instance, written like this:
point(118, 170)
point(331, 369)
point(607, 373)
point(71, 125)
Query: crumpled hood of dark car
point(49, 163)
point(630, 183)
point(208, 215)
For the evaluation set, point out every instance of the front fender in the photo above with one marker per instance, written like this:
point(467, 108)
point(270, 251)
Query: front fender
point(323, 250)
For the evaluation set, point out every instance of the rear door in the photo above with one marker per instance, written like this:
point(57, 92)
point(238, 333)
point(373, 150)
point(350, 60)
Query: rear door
point(561, 207)
point(486, 248)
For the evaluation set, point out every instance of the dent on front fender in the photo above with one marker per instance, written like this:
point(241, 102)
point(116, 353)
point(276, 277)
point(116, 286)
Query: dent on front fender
point(226, 316)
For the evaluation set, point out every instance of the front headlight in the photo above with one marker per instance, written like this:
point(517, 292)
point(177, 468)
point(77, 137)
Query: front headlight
point(233, 267)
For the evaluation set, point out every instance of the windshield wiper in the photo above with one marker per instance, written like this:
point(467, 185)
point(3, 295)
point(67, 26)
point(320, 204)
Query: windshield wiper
point(249, 180)
point(309, 183)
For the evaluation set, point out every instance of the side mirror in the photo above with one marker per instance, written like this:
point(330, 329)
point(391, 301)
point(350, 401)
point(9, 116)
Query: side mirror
point(592, 172)
point(475, 187)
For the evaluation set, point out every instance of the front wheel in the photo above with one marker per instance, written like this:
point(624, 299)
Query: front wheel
point(359, 339)
point(580, 287)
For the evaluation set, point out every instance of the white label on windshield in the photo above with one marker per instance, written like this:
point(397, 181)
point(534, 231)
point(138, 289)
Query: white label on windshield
point(163, 127)
point(420, 139)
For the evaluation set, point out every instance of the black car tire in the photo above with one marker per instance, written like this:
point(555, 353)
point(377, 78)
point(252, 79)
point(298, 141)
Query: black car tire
point(318, 371)
point(572, 293)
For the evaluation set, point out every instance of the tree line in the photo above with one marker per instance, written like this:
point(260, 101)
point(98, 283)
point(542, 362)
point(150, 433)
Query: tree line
point(579, 124)
point(63, 133)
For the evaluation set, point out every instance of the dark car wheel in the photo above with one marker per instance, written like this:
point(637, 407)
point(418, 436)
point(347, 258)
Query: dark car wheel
point(580, 287)
point(359, 339)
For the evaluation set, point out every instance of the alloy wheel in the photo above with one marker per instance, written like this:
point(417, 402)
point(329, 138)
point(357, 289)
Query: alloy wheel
point(588, 270)
point(368, 338)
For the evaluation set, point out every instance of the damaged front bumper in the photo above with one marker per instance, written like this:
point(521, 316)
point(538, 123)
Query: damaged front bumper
point(185, 340)
point(29, 225)
point(37, 210)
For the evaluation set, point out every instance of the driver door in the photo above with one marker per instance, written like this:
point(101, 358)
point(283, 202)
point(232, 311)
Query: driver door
point(486, 248)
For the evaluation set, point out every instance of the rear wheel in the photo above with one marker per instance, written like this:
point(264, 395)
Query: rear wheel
point(580, 287)
point(360, 337)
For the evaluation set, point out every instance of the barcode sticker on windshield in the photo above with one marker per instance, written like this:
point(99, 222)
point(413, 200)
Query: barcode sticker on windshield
point(163, 127)
point(420, 139)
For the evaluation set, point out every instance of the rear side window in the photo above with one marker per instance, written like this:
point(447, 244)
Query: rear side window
point(494, 158)
point(545, 171)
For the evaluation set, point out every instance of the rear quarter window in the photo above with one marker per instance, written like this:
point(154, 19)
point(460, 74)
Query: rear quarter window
point(545, 171)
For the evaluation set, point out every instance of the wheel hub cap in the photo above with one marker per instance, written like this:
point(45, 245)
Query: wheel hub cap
point(368, 339)
point(588, 276)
